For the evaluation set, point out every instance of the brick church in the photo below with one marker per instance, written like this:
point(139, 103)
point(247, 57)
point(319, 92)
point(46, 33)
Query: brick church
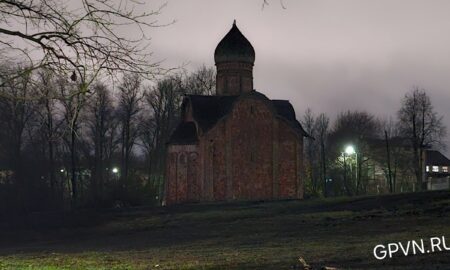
point(237, 144)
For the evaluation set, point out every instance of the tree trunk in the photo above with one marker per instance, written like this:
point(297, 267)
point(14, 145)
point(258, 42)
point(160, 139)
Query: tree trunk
point(417, 170)
point(73, 167)
point(388, 156)
point(347, 189)
point(324, 167)
point(51, 159)
point(359, 164)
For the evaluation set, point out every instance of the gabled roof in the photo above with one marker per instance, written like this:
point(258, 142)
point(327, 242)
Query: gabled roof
point(185, 133)
point(285, 110)
point(208, 110)
point(436, 158)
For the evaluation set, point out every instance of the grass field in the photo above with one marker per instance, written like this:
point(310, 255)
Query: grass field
point(338, 232)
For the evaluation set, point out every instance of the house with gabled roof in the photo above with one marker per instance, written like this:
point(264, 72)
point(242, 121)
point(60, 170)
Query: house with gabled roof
point(437, 167)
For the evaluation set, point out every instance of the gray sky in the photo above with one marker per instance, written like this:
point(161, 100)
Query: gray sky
point(330, 56)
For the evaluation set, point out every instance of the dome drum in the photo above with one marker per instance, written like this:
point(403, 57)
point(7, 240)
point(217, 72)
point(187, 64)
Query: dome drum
point(234, 57)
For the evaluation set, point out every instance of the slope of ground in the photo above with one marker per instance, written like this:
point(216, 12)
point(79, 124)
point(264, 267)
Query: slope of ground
point(338, 232)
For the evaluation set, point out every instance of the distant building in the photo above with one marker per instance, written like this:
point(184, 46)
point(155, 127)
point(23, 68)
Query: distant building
point(437, 166)
point(237, 144)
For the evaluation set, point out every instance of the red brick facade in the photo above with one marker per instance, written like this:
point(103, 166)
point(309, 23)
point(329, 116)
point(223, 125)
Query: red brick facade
point(238, 145)
point(250, 154)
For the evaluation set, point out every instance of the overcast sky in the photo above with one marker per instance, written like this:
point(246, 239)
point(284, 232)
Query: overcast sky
point(330, 56)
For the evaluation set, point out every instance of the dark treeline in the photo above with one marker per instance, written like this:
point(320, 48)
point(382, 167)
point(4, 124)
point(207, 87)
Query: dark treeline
point(62, 148)
point(385, 155)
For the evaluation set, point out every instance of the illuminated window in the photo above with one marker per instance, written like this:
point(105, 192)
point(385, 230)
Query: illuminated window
point(428, 168)
point(435, 168)
point(444, 169)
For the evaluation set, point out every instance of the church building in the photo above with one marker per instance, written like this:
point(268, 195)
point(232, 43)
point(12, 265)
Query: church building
point(237, 144)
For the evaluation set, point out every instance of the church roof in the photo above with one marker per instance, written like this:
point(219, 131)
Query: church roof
point(285, 109)
point(234, 47)
point(185, 133)
point(208, 110)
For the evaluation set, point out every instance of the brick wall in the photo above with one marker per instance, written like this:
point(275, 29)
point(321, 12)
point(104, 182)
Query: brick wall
point(249, 155)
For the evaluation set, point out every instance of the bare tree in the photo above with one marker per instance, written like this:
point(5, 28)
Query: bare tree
point(392, 156)
point(309, 124)
point(82, 39)
point(163, 103)
point(16, 110)
point(322, 125)
point(72, 102)
point(421, 125)
point(266, 3)
point(73, 134)
point(315, 150)
point(49, 125)
point(100, 123)
point(201, 82)
point(129, 105)
point(148, 132)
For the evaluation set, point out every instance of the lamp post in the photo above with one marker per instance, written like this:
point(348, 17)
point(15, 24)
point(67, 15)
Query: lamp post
point(115, 172)
point(345, 173)
point(349, 150)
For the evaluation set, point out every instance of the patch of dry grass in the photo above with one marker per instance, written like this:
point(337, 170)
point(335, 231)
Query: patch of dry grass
point(339, 232)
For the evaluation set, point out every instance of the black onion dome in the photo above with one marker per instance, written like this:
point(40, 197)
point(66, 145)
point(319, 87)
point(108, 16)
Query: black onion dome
point(234, 47)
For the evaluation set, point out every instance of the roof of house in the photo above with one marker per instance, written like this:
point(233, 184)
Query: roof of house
point(436, 158)
point(208, 110)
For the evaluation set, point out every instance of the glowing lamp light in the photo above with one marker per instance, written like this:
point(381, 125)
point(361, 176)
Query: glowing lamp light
point(350, 150)
point(115, 170)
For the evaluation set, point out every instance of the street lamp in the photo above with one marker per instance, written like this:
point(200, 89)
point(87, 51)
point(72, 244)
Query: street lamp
point(350, 150)
point(115, 173)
